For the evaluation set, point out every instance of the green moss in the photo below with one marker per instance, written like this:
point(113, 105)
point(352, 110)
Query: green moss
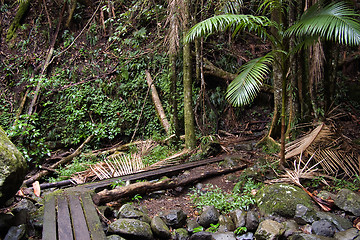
point(23, 8)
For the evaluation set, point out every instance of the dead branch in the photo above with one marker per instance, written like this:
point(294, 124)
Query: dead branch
point(146, 187)
point(56, 165)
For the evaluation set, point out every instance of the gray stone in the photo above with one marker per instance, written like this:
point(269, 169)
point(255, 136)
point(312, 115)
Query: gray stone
point(191, 225)
point(304, 215)
point(350, 234)
point(281, 199)
point(323, 228)
point(201, 236)
point(13, 168)
point(131, 228)
point(226, 224)
point(223, 236)
point(291, 227)
point(269, 230)
point(209, 216)
point(181, 234)
point(16, 232)
point(115, 237)
point(174, 218)
point(303, 236)
point(340, 223)
point(246, 236)
point(252, 220)
point(159, 228)
point(326, 195)
point(129, 211)
point(239, 217)
point(348, 201)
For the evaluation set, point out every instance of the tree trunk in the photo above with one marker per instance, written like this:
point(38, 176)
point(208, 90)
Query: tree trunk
point(23, 8)
point(173, 78)
point(189, 122)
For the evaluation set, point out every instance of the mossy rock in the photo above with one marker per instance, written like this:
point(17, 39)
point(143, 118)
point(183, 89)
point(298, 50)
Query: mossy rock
point(13, 168)
point(281, 200)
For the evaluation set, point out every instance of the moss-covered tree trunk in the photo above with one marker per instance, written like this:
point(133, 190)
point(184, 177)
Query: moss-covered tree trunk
point(189, 122)
point(23, 8)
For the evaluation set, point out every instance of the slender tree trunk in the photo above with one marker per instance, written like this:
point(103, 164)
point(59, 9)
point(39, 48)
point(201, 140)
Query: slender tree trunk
point(190, 140)
point(173, 78)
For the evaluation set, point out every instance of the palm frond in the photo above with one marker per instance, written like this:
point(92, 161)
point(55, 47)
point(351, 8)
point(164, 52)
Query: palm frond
point(244, 88)
point(229, 21)
point(233, 6)
point(335, 22)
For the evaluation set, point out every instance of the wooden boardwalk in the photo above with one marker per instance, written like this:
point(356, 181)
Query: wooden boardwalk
point(71, 215)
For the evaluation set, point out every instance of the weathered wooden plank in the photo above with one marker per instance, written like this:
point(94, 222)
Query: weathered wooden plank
point(49, 227)
point(92, 218)
point(64, 220)
point(81, 231)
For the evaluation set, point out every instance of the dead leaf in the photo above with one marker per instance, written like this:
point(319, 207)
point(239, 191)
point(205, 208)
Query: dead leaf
point(357, 223)
point(36, 187)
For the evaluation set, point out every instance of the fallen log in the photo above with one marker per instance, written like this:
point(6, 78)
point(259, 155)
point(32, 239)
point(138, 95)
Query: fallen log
point(55, 165)
point(148, 187)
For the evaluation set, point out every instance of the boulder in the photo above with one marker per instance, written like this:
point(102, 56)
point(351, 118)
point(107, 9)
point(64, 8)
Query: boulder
point(223, 236)
point(323, 228)
point(226, 224)
point(291, 227)
point(16, 232)
point(159, 228)
point(129, 211)
point(303, 236)
point(239, 217)
point(115, 237)
point(209, 216)
point(13, 168)
point(304, 215)
point(350, 234)
point(348, 201)
point(281, 200)
point(246, 236)
point(191, 225)
point(340, 223)
point(269, 230)
point(252, 220)
point(175, 218)
point(201, 236)
point(131, 228)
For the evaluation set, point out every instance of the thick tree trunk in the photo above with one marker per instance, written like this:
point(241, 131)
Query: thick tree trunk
point(23, 8)
point(189, 122)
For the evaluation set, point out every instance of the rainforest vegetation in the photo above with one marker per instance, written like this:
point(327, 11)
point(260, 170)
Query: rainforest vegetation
point(118, 71)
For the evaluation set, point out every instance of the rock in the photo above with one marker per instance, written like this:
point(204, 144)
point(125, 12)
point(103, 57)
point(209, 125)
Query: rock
point(181, 234)
point(281, 199)
point(348, 201)
point(106, 211)
point(226, 224)
point(350, 234)
point(174, 218)
point(269, 230)
point(6, 221)
point(159, 228)
point(115, 237)
point(291, 227)
point(129, 211)
point(340, 223)
point(131, 228)
point(252, 220)
point(229, 162)
point(211, 149)
point(191, 225)
point(323, 228)
point(209, 216)
point(201, 236)
point(16, 232)
point(13, 168)
point(223, 236)
point(239, 217)
point(303, 236)
point(246, 236)
point(304, 215)
point(326, 195)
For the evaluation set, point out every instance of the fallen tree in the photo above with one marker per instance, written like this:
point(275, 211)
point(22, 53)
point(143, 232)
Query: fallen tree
point(148, 187)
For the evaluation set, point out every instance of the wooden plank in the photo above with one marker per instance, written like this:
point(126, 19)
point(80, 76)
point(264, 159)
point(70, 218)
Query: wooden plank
point(81, 231)
point(94, 225)
point(49, 227)
point(64, 220)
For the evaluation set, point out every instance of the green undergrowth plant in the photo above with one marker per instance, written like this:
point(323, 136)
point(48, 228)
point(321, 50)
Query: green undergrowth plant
point(223, 201)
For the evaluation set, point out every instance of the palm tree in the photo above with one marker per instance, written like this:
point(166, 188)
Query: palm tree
point(333, 22)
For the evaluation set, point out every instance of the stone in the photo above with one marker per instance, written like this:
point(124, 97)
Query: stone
point(201, 236)
point(175, 218)
point(239, 217)
point(131, 228)
point(223, 236)
point(129, 211)
point(16, 232)
point(191, 225)
point(323, 228)
point(209, 216)
point(291, 227)
point(340, 223)
point(181, 234)
point(159, 228)
point(115, 237)
point(13, 168)
point(246, 236)
point(281, 200)
point(303, 236)
point(226, 224)
point(326, 195)
point(269, 230)
point(6, 220)
point(350, 234)
point(348, 201)
point(304, 215)
point(252, 220)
